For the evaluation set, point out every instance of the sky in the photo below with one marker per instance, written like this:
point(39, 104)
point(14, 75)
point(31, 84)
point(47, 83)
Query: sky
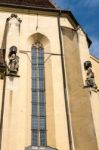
point(87, 14)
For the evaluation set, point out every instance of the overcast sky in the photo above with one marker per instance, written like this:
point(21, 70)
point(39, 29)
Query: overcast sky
point(87, 14)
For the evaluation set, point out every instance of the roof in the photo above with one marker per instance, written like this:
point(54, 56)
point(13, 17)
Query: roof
point(35, 3)
point(94, 58)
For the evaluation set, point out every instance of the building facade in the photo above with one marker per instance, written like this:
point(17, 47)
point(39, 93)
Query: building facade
point(48, 80)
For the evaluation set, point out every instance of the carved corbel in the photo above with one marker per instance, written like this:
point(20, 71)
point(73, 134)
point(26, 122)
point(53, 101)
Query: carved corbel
point(14, 16)
point(16, 20)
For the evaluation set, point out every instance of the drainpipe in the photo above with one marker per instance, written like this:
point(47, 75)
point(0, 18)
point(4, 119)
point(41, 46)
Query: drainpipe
point(64, 84)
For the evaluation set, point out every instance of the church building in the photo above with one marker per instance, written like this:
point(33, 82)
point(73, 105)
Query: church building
point(49, 82)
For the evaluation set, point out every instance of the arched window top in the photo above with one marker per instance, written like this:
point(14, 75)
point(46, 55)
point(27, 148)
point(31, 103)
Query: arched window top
point(37, 45)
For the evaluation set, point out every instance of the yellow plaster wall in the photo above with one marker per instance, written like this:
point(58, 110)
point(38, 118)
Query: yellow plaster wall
point(66, 23)
point(79, 97)
point(95, 96)
point(83, 50)
point(17, 115)
point(95, 68)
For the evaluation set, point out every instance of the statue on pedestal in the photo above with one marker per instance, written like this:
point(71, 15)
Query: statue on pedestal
point(90, 78)
point(13, 65)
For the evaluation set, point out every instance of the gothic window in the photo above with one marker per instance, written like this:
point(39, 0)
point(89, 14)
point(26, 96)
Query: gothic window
point(38, 97)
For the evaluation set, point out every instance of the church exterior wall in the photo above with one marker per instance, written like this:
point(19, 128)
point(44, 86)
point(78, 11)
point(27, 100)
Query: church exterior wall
point(66, 23)
point(79, 97)
point(17, 110)
point(95, 96)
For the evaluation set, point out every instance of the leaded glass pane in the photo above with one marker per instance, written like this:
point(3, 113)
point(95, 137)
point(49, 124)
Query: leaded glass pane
point(34, 122)
point(34, 73)
point(34, 56)
point(34, 61)
point(42, 123)
point(43, 138)
point(40, 61)
point(41, 97)
point(34, 53)
point(40, 52)
point(41, 73)
point(34, 84)
point(42, 110)
point(41, 67)
point(35, 138)
point(34, 109)
point(34, 67)
point(40, 56)
point(41, 84)
point(34, 97)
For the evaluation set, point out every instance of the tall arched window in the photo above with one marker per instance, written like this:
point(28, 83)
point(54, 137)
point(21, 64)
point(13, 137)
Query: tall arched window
point(38, 97)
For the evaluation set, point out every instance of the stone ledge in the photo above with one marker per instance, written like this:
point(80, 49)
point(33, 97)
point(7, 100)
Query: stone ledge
point(39, 148)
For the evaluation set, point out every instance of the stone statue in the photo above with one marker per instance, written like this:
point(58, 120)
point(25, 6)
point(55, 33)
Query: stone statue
point(90, 79)
point(13, 65)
